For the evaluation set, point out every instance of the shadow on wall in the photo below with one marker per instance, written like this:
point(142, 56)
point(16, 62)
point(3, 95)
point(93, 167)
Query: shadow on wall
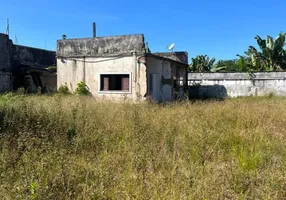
point(207, 92)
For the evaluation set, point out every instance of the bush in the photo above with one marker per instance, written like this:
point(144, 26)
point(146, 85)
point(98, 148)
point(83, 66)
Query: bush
point(21, 90)
point(82, 89)
point(64, 89)
point(52, 69)
point(39, 90)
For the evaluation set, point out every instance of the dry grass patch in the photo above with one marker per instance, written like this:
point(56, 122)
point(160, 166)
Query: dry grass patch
point(66, 147)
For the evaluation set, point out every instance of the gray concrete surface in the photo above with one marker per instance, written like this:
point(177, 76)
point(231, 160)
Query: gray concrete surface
point(101, 46)
point(222, 85)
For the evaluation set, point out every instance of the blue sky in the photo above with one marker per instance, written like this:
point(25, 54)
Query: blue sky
point(219, 28)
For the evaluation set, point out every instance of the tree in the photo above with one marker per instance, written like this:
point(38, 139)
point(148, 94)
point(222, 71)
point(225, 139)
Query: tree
point(235, 65)
point(202, 63)
point(243, 64)
point(225, 66)
point(64, 36)
point(272, 56)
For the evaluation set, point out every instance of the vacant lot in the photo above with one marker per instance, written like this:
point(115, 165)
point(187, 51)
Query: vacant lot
point(66, 147)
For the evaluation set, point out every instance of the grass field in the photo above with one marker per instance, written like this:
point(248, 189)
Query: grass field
point(66, 147)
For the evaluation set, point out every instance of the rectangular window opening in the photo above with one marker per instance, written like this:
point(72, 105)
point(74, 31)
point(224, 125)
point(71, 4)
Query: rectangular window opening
point(115, 82)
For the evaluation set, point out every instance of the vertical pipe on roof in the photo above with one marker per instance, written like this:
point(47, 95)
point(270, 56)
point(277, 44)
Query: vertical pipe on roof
point(94, 29)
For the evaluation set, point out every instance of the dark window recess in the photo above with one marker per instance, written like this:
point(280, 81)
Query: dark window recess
point(114, 82)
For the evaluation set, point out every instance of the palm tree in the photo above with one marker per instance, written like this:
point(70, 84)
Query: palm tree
point(272, 56)
point(202, 63)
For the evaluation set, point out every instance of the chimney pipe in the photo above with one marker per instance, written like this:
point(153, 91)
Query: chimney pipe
point(94, 29)
point(147, 48)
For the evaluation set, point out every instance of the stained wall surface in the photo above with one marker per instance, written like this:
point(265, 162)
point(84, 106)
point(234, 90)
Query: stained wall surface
point(221, 85)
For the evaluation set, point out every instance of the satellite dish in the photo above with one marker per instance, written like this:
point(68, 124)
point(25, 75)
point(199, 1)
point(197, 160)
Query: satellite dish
point(64, 61)
point(171, 47)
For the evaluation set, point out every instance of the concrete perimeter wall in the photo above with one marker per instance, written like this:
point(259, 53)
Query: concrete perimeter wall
point(221, 85)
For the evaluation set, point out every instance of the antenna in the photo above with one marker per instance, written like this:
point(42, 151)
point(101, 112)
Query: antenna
point(16, 40)
point(8, 28)
point(171, 47)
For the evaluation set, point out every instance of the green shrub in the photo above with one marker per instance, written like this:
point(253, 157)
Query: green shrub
point(82, 89)
point(39, 90)
point(52, 69)
point(64, 89)
point(21, 90)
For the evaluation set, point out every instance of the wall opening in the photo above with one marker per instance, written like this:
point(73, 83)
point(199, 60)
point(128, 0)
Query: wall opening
point(115, 82)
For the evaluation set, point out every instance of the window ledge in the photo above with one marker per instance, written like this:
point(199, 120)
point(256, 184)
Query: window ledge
point(114, 92)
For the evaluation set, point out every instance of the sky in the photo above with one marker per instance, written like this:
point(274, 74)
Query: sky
point(219, 28)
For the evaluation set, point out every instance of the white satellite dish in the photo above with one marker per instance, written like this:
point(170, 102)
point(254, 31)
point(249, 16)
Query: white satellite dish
point(171, 47)
point(64, 61)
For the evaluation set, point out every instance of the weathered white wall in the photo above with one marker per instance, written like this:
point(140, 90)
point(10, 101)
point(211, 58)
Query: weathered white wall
point(74, 70)
point(162, 67)
point(71, 71)
point(220, 85)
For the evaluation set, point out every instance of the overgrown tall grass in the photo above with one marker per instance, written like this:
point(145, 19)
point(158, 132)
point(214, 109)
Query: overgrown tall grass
point(76, 148)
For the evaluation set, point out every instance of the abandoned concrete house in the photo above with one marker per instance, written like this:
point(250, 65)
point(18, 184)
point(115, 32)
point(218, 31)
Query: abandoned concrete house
point(22, 66)
point(121, 67)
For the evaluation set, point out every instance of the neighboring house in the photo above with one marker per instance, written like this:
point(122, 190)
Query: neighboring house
point(22, 66)
point(121, 67)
